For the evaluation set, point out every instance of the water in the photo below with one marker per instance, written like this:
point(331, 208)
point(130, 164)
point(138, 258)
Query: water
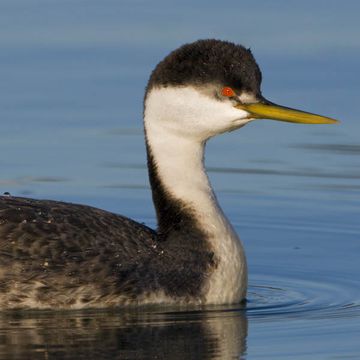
point(72, 80)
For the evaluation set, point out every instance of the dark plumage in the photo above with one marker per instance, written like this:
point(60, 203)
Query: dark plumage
point(206, 62)
point(62, 254)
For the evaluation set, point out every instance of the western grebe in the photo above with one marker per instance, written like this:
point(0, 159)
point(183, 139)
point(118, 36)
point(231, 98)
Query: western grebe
point(64, 256)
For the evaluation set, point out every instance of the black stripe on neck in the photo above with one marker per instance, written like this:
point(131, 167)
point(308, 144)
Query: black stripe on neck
point(176, 219)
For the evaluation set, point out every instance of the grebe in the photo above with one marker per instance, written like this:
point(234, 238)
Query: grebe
point(65, 256)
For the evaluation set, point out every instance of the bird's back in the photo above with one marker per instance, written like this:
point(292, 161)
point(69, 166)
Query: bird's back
point(68, 256)
point(55, 254)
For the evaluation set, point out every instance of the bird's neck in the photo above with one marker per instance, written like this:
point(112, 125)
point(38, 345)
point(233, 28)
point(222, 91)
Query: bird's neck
point(175, 139)
point(181, 188)
point(187, 208)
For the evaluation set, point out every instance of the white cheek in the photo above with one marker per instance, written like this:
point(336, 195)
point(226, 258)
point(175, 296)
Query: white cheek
point(185, 110)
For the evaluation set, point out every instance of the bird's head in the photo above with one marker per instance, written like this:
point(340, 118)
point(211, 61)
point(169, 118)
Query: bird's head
point(209, 87)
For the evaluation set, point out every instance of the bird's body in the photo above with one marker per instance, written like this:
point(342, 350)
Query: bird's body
point(60, 255)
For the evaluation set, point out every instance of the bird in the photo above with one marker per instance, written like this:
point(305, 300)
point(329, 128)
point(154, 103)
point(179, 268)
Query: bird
point(57, 255)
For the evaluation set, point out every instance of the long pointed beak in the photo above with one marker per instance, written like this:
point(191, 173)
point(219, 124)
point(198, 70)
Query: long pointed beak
point(267, 110)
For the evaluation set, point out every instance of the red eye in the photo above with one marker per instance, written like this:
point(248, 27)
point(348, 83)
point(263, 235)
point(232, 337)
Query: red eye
point(228, 91)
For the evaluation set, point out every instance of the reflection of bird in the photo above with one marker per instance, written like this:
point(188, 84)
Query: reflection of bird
point(125, 335)
point(59, 255)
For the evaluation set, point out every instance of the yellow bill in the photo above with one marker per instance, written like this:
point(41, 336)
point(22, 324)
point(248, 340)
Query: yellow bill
point(268, 110)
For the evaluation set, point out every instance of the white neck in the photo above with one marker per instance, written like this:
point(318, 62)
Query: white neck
point(180, 165)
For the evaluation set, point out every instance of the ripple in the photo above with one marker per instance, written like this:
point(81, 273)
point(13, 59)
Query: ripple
point(345, 149)
point(33, 179)
point(126, 131)
point(319, 298)
point(310, 173)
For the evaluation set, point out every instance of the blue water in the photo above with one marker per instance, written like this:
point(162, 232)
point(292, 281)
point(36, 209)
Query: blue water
point(72, 77)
